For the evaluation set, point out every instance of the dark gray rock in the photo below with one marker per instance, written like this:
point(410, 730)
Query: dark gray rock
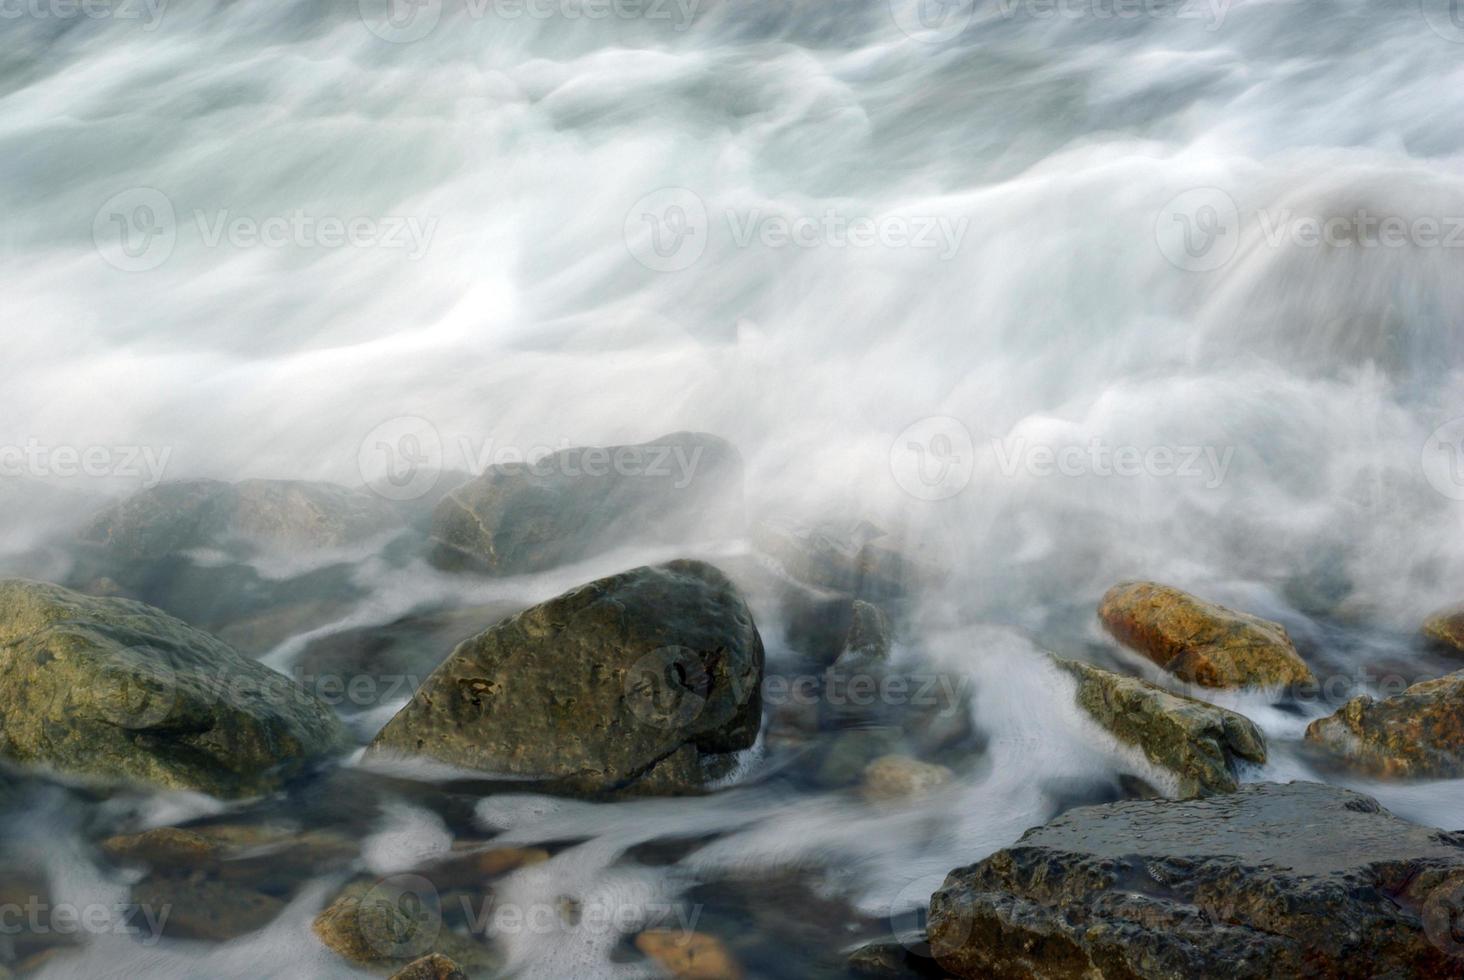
point(641, 680)
point(528, 517)
point(1296, 880)
point(855, 560)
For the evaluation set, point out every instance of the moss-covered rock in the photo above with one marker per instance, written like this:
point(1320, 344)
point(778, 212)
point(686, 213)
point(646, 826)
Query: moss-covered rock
point(1296, 880)
point(392, 923)
point(528, 517)
point(1199, 742)
point(1200, 642)
point(112, 688)
point(1417, 734)
point(433, 967)
point(643, 679)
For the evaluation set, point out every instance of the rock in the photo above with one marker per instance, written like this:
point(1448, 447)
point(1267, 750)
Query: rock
point(899, 777)
point(1298, 880)
point(359, 669)
point(1418, 734)
point(276, 515)
point(112, 688)
point(1199, 742)
point(843, 558)
point(528, 517)
point(433, 967)
point(846, 755)
point(894, 959)
point(393, 923)
point(689, 955)
point(163, 848)
point(1445, 630)
point(474, 868)
point(195, 907)
point(187, 547)
point(1200, 642)
point(823, 627)
point(275, 859)
point(642, 680)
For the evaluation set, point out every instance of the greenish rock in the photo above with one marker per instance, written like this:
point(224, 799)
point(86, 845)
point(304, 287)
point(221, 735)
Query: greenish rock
point(392, 923)
point(1200, 743)
point(645, 680)
point(1201, 642)
point(527, 517)
point(1294, 880)
point(110, 688)
point(1418, 734)
point(183, 907)
point(903, 957)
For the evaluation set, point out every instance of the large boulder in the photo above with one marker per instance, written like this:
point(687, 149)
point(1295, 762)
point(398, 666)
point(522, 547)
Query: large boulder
point(643, 679)
point(1200, 642)
point(1296, 880)
point(196, 547)
point(113, 688)
point(1200, 743)
point(528, 517)
point(1417, 734)
point(272, 515)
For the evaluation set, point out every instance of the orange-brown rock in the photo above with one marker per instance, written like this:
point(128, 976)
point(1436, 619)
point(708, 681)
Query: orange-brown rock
point(434, 967)
point(1201, 642)
point(1445, 630)
point(1418, 734)
point(689, 955)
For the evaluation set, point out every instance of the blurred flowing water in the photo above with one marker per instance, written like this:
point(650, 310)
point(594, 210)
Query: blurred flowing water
point(1088, 241)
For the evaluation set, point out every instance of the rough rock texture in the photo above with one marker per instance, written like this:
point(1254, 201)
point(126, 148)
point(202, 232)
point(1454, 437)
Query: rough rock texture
point(112, 688)
point(849, 559)
point(393, 923)
point(433, 967)
point(1296, 880)
point(627, 681)
point(278, 514)
point(1418, 734)
point(1199, 742)
point(527, 517)
point(689, 955)
point(825, 626)
point(1201, 642)
point(894, 959)
point(1445, 630)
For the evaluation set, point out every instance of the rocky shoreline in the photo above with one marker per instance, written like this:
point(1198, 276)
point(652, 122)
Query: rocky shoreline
point(139, 673)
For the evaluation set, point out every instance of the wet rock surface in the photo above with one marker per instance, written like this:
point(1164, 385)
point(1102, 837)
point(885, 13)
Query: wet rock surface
point(1201, 642)
point(1300, 879)
point(391, 924)
point(1202, 744)
point(110, 688)
point(642, 680)
point(433, 967)
point(1416, 734)
point(1445, 631)
point(527, 517)
point(856, 559)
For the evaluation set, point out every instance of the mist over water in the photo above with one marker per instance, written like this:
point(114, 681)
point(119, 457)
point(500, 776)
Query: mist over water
point(1094, 337)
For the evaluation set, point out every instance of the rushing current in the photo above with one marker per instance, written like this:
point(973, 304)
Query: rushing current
point(1057, 293)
